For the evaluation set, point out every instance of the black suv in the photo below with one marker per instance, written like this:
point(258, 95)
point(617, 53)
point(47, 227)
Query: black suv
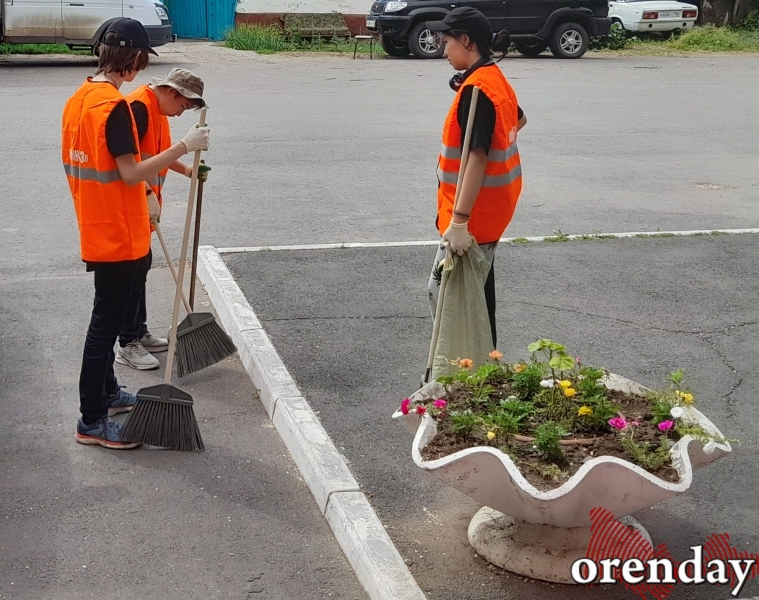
point(565, 26)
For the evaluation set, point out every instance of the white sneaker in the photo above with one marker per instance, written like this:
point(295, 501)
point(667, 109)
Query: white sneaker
point(135, 356)
point(154, 344)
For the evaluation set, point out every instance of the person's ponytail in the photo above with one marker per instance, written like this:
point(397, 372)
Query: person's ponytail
point(501, 42)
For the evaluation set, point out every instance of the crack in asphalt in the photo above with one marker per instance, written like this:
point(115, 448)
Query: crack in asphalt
point(728, 397)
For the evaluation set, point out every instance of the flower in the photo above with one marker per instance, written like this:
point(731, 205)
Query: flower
point(618, 422)
point(547, 383)
point(519, 368)
point(677, 412)
point(570, 392)
point(405, 406)
point(439, 403)
point(420, 410)
point(635, 423)
point(491, 435)
point(688, 398)
point(565, 383)
point(666, 425)
point(495, 355)
point(584, 411)
point(466, 363)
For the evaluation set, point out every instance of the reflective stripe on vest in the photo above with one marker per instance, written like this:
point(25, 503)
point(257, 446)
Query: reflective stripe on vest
point(502, 181)
point(494, 156)
point(86, 174)
point(157, 138)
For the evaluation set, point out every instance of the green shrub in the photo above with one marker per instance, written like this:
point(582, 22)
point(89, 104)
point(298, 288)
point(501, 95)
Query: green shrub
point(258, 38)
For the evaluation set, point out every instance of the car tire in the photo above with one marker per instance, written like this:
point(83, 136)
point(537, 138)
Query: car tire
point(569, 40)
point(531, 48)
point(395, 46)
point(421, 42)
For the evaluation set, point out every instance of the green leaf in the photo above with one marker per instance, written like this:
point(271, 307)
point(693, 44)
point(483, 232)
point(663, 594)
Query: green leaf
point(556, 347)
point(562, 362)
point(535, 346)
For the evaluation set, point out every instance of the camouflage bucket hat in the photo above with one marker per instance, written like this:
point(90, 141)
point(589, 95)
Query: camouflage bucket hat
point(185, 82)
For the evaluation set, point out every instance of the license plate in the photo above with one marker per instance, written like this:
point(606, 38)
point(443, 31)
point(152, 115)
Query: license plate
point(371, 22)
point(669, 15)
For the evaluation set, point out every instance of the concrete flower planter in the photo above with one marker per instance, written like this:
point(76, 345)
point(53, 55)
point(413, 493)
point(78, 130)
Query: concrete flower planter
point(537, 533)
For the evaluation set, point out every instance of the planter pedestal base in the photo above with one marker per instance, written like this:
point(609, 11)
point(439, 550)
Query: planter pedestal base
point(536, 551)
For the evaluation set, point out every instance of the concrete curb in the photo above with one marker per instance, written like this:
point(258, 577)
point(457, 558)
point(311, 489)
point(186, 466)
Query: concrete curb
point(362, 537)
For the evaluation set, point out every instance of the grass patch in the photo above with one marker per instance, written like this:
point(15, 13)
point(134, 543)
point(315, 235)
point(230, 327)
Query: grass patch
point(40, 49)
point(700, 39)
point(271, 39)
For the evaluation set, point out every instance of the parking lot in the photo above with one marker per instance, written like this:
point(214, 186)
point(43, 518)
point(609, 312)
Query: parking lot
point(323, 149)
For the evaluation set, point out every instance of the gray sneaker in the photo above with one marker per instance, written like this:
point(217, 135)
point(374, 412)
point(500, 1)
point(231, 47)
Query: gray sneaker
point(154, 344)
point(136, 356)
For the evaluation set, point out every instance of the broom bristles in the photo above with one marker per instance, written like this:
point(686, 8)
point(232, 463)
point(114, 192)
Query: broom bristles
point(201, 344)
point(166, 423)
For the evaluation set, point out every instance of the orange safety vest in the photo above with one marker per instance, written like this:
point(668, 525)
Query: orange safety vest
point(156, 139)
point(502, 183)
point(114, 224)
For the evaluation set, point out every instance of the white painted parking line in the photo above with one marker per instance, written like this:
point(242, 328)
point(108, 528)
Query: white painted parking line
point(542, 238)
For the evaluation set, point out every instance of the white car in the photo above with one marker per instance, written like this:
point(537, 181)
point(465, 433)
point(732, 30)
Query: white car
point(653, 15)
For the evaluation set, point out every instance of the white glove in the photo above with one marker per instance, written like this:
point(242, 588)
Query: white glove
point(458, 237)
point(197, 138)
point(154, 208)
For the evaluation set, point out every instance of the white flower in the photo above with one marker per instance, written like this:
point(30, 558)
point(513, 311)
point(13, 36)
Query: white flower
point(677, 412)
point(547, 383)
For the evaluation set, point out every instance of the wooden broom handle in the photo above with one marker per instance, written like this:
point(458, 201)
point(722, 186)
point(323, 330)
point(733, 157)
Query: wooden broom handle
point(444, 281)
point(196, 237)
point(171, 264)
point(183, 257)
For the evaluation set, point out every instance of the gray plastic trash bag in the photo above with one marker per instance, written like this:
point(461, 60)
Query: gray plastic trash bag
point(464, 322)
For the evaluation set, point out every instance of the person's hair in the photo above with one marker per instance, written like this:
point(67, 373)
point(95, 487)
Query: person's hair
point(499, 42)
point(120, 59)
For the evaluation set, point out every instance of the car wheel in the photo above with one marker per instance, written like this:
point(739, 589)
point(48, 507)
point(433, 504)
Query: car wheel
point(422, 42)
point(531, 48)
point(569, 40)
point(395, 47)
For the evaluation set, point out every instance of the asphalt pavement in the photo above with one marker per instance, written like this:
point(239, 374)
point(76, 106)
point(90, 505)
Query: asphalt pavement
point(353, 327)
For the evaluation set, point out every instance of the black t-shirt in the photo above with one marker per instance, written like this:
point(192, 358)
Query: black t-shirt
point(484, 119)
point(141, 117)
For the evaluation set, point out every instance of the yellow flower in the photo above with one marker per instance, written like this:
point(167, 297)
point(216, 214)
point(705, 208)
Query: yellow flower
point(570, 392)
point(585, 411)
point(495, 355)
point(565, 383)
point(687, 398)
point(466, 363)
point(519, 368)
point(491, 435)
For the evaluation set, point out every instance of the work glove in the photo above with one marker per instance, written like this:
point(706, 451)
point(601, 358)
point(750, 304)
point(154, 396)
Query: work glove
point(202, 172)
point(458, 237)
point(197, 138)
point(154, 208)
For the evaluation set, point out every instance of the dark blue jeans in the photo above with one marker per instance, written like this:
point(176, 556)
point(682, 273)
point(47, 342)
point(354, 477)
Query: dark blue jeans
point(136, 319)
point(113, 295)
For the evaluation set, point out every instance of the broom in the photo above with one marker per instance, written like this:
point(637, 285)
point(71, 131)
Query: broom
point(444, 282)
point(164, 415)
point(201, 340)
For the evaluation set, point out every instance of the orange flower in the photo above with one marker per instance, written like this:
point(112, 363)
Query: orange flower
point(466, 364)
point(519, 368)
point(495, 355)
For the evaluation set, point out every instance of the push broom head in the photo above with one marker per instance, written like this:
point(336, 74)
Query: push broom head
point(163, 416)
point(201, 342)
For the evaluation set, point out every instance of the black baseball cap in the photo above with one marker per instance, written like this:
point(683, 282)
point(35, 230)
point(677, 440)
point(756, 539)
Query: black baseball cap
point(129, 34)
point(465, 18)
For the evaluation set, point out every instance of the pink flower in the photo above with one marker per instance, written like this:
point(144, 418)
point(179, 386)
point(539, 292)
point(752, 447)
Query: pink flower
point(440, 403)
point(618, 422)
point(635, 423)
point(666, 425)
point(405, 406)
point(420, 410)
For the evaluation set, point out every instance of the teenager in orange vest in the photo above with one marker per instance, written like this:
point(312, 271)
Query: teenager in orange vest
point(151, 106)
point(492, 181)
point(107, 181)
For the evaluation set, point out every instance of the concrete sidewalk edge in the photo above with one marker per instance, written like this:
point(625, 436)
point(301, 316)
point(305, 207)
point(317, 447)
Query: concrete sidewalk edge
point(377, 563)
